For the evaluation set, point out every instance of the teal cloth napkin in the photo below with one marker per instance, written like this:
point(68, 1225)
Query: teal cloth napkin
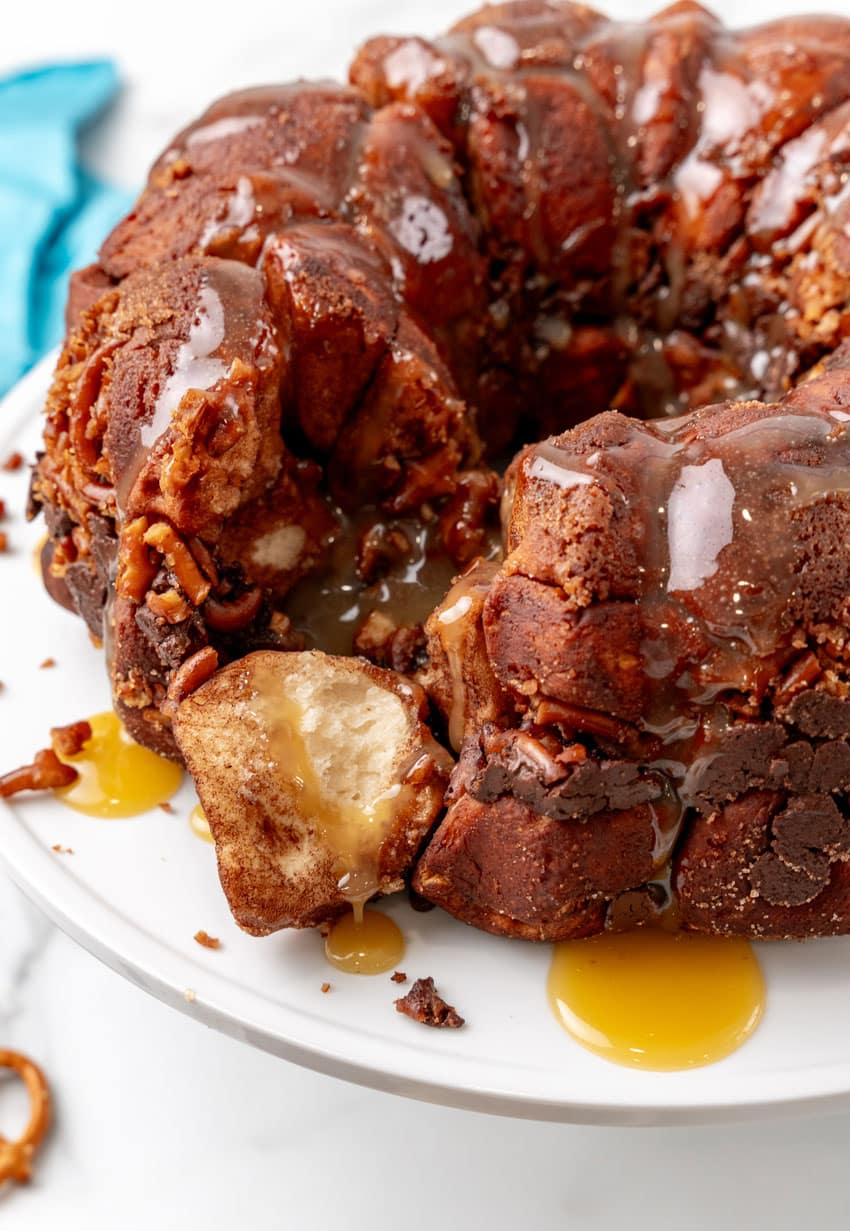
point(53, 213)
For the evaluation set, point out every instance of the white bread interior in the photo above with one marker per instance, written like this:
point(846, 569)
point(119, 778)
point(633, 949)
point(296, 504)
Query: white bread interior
point(359, 732)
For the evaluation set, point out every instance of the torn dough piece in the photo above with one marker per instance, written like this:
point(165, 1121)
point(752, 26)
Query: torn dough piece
point(319, 780)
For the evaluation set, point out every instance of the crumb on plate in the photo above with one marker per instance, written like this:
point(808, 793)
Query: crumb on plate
point(425, 1005)
point(209, 942)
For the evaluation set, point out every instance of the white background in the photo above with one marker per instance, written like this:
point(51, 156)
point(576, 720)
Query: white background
point(162, 1124)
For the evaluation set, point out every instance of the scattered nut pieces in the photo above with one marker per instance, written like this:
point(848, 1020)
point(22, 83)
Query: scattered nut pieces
point(46, 663)
point(68, 741)
point(398, 976)
point(326, 987)
point(13, 462)
point(45, 773)
point(424, 1005)
point(209, 942)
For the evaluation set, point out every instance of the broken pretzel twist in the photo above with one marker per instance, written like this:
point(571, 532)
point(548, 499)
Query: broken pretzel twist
point(16, 1156)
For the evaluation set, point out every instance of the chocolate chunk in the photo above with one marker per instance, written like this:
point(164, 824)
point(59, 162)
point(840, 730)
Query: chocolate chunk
point(820, 715)
point(519, 766)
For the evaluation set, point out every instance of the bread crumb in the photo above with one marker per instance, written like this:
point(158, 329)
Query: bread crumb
point(326, 987)
point(47, 662)
point(189, 995)
point(62, 850)
point(398, 976)
point(14, 461)
point(209, 942)
point(4, 541)
point(2, 509)
point(166, 807)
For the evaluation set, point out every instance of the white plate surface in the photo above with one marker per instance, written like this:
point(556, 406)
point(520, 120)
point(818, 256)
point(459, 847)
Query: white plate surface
point(135, 891)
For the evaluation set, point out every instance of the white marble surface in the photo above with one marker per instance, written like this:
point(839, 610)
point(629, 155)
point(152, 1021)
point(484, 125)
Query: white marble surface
point(159, 1121)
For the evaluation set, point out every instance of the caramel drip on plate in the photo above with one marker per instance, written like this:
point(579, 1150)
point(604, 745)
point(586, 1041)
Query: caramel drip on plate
point(199, 824)
point(658, 999)
point(369, 945)
point(116, 776)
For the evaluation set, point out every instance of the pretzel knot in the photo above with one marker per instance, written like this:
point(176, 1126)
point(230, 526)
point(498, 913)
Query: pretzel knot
point(16, 1156)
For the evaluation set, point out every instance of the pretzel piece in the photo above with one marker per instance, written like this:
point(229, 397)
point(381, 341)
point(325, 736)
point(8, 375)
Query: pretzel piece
point(16, 1156)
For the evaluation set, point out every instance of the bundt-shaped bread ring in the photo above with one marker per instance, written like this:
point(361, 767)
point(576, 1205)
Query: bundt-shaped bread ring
point(335, 308)
point(661, 667)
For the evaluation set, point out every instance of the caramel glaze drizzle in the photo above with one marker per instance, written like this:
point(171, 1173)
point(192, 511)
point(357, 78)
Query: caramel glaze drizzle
point(715, 576)
point(677, 138)
point(728, 125)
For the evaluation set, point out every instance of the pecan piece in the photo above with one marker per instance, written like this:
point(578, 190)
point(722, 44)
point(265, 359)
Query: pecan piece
point(425, 1005)
point(465, 516)
point(380, 548)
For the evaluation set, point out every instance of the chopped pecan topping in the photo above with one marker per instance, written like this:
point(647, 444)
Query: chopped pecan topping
point(465, 518)
point(800, 675)
point(380, 548)
point(208, 942)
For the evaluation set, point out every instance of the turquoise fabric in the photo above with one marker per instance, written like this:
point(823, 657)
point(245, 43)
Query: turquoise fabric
point(53, 213)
